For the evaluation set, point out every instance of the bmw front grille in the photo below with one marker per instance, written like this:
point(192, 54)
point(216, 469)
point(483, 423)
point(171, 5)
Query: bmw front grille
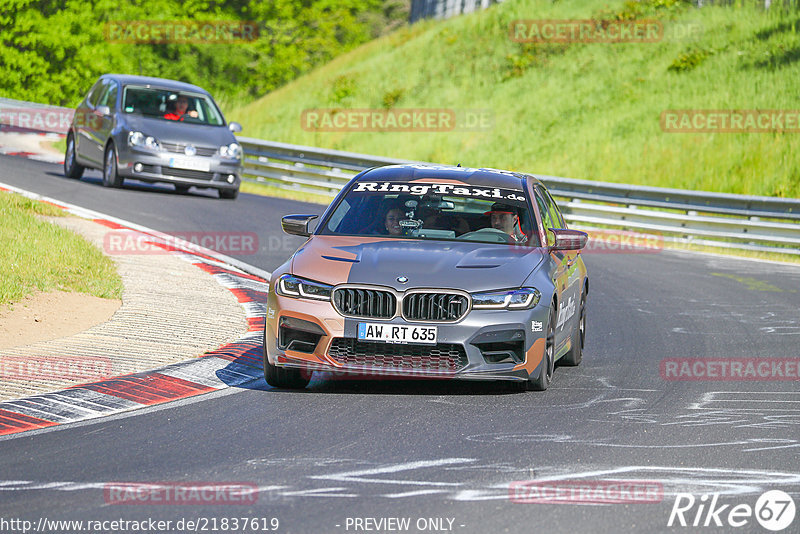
point(428, 305)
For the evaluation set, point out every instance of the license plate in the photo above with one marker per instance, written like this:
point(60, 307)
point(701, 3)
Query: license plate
point(190, 164)
point(392, 333)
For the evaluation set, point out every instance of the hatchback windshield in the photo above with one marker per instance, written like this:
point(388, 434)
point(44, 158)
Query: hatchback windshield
point(430, 210)
point(171, 105)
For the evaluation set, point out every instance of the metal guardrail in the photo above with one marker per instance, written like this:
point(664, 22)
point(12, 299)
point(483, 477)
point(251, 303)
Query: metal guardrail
point(11, 103)
point(699, 217)
point(704, 218)
point(28, 117)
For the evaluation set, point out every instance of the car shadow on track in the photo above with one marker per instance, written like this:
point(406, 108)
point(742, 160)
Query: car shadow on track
point(412, 386)
point(246, 361)
point(145, 187)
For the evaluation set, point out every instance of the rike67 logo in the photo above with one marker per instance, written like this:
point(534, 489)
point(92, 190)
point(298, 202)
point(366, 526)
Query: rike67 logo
point(773, 510)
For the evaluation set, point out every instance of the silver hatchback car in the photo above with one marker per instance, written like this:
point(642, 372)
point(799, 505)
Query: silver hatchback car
point(154, 130)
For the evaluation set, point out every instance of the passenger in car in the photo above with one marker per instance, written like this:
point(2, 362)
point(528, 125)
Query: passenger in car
point(391, 221)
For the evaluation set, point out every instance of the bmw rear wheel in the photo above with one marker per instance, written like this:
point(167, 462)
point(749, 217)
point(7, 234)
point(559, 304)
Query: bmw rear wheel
point(575, 354)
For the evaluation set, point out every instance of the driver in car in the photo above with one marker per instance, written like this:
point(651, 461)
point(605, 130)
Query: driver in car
point(506, 218)
point(179, 113)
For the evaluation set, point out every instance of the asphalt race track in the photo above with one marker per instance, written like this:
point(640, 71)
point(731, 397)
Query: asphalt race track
point(444, 454)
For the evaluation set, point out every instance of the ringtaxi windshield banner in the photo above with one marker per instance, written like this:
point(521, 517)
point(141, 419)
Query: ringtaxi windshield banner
point(477, 192)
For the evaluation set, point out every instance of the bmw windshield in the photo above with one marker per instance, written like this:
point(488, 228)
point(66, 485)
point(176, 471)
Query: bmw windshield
point(433, 211)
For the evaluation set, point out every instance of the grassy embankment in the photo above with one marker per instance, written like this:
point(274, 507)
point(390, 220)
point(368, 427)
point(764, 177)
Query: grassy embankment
point(581, 110)
point(36, 255)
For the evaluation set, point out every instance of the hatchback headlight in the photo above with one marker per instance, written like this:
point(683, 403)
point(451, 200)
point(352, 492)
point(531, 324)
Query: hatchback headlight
point(510, 299)
point(138, 139)
point(293, 286)
point(231, 151)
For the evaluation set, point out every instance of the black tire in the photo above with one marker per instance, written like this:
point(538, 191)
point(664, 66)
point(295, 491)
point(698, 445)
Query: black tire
point(229, 194)
point(575, 354)
point(282, 378)
point(71, 167)
point(542, 382)
point(111, 177)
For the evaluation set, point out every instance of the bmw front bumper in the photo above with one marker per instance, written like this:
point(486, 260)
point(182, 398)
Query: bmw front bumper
point(483, 345)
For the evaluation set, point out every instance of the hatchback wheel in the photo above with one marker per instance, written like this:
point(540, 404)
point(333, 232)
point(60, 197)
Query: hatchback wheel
point(71, 167)
point(229, 194)
point(111, 177)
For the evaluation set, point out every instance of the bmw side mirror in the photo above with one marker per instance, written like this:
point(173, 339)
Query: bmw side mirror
point(297, 224)
point(564, 239)
point(235, 127)
point(105, 111)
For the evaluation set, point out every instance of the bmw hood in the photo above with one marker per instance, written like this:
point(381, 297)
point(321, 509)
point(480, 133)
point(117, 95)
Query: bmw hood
point(436, 264)
point(181, 132)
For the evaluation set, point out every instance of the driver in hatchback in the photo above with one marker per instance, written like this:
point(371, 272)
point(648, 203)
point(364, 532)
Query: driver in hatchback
point(179, 112)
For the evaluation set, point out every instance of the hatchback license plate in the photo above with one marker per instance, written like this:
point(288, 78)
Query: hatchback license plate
point(190, 164)
point(392, 333)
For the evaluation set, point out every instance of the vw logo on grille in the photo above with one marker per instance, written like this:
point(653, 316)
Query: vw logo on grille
point(402, 279)
point(190, 150)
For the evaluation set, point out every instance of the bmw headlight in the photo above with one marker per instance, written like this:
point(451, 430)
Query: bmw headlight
point(231, 151)
point(138, 139)
point(511, 299)
point(296, 287)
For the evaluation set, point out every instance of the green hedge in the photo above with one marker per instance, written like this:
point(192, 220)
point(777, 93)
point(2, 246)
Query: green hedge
point(53, 51)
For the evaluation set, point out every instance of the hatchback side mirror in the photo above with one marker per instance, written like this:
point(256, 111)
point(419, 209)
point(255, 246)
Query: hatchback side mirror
point(297, 224)
point(235, 127)
point(105, 111)
point(565, 239)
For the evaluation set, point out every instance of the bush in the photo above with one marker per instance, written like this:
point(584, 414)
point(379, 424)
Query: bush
point(52, 52)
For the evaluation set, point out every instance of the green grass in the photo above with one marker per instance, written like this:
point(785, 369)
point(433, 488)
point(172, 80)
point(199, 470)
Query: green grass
point(60, 145)
point(738, 253)
point(589, 111)
point(36, 255)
